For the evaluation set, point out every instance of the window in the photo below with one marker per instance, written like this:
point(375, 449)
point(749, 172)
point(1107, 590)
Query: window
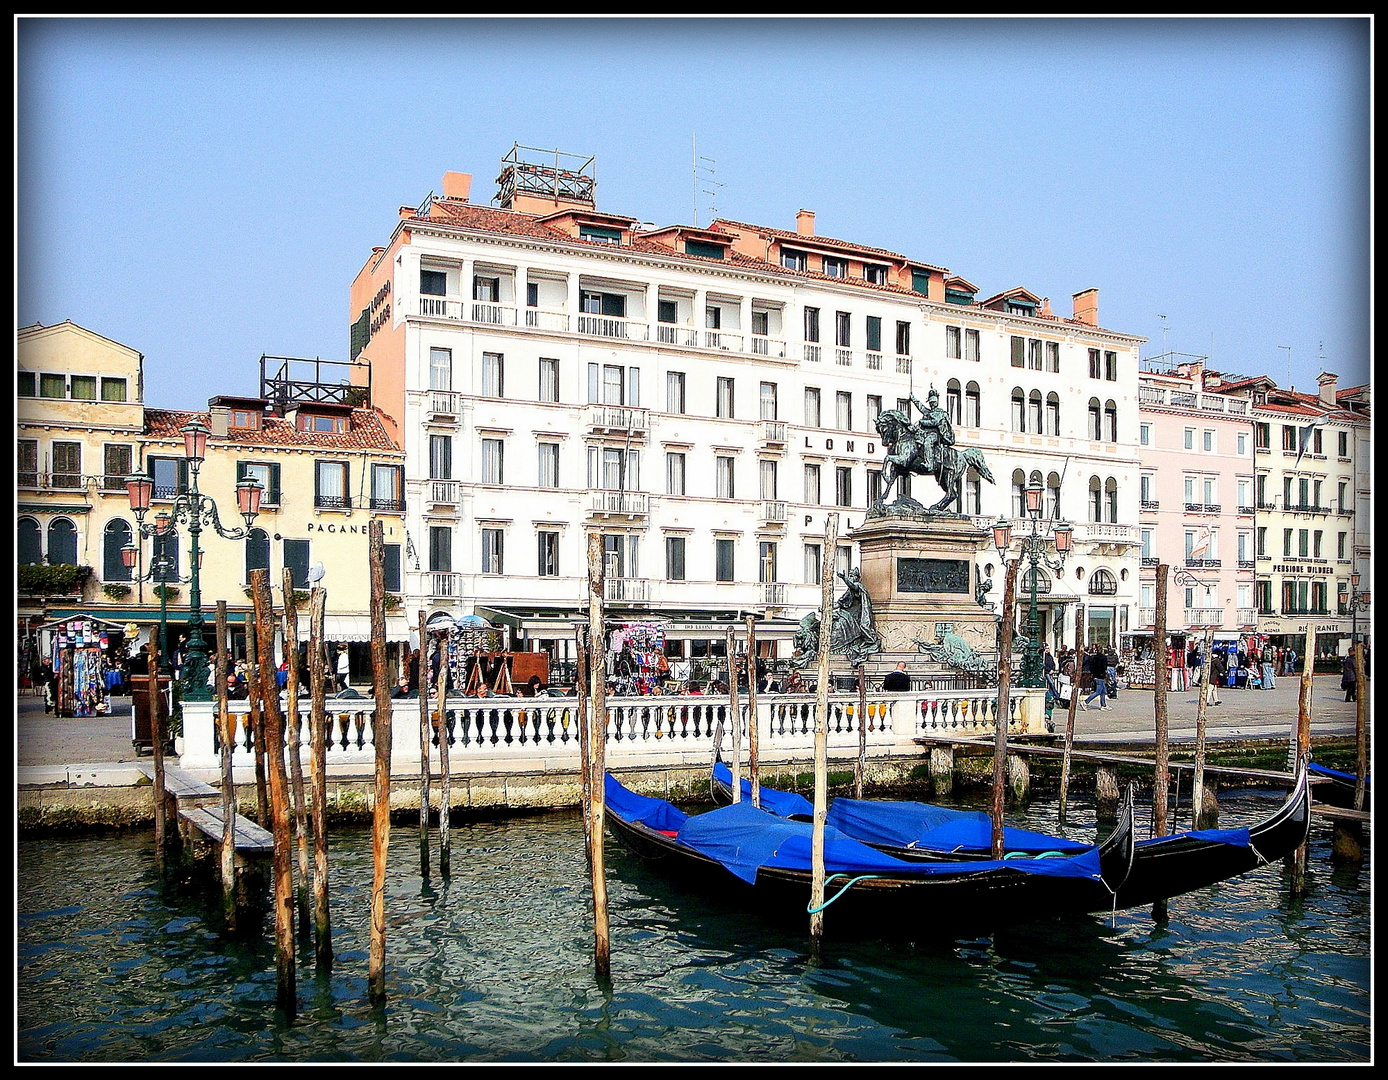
point(1261, 540)
point(835, 267)
point(674, 391)
point(613, 305)
point(767, 472)
point(1286, 493)
point(387, 487)
point(766, 561)
point(83, 387)
point(27, 462)
point(874, 410)
point(1344, 443)
point(547, 553)
point(486, 289)
point(713, 317)
point(1188, 439)
point(674, 474)
point(257, 552)
point(549, 379)
point(954, 402)
point(440, 457)
point(1095, 420)
point(768, 401)
point(52, 386)
point(813, 563)
point(548, 464)
point(67, 465)
point(843, 410)
point(874, 333)
point(25, 384)
point(1316, 444)
point(1262, 436)
point(1095, 371)
point(843, 486)
point(1034, 354)
point(903, 339)
point(600, 234)
point(1096, 499)
point(874, 488)
point(843, 329)
point(812, 324)
point(170, 475)
point(614, 469)
point(391, 558)
point(877, 275)
point(317, 422)
point(28, 542)
point(954, 349)
point(1303, 543)
point(1260, 488)
point(1111, 366)
point(1241, 486)
point(113, 389)
point(1211, 492)
point(119, 463)
point(1053, 356)
point(1288, 437)
point(440, 548)
point(1207, 441)
point(433, 282)
point(493, 452)
point(674, 558)
point(1111, 421)
point(723, 559)
point(1242, 439)
point(1344, 497)
point(1034, 412)
point(1052, 413)
point(295, 554)
point(331, 488)
point(532, 299)
point(725, 397)
point(1146, 535)
point(1287, 543)
point(493, 548)
point(920, 282)
point(812, 493)
point(440, 369)
point(812, 416)
point(704, 250)
point(1316, 539)
point(116, 535)
point(795, 260)
point(1019, 352)
point(971, 350)
point(972, 406)
point(1019, 409)
point(1340, 547)
point(723, 471)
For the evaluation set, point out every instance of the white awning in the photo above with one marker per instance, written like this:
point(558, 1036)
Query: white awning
point(355, 627)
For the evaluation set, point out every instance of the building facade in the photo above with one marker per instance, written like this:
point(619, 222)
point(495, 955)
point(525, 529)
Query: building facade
point(702, 398)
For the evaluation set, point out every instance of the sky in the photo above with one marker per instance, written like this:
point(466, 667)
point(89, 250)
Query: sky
point(205, 190)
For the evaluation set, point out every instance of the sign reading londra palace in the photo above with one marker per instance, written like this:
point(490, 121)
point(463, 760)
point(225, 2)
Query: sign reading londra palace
point(932, 575)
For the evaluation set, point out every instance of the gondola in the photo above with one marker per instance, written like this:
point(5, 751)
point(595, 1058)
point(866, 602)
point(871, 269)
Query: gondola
point(1163, 866)
point(1336, 788)
point(754, 858)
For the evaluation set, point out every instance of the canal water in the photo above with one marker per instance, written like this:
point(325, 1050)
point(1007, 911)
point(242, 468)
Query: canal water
point(495, 965)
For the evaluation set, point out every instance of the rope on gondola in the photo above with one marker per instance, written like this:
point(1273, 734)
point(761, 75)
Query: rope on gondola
point(851, 883)
point(1040, 855)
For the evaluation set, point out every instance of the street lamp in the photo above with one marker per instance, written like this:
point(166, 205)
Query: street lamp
point(1357, 602)
point(197, 511)
point(1034, 550)
point(161, 569)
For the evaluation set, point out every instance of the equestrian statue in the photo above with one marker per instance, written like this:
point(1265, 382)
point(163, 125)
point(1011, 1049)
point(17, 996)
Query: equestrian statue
point(923, 448)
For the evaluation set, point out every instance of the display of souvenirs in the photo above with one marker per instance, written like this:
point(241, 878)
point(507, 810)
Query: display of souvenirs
point(80, 666)
point(636, 654)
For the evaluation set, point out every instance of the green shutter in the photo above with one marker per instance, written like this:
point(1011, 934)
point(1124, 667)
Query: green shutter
point(920, 282)
point(361, 333)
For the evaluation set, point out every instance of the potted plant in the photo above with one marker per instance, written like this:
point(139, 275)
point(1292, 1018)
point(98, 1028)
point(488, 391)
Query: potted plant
point(116, 591)
point(167, 593)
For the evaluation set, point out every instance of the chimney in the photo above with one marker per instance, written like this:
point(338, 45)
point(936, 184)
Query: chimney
point(1046, 312)
point(1087, 306)
point(457, 185)
point(804, 222)
point(1327, 381)
point(220, 417)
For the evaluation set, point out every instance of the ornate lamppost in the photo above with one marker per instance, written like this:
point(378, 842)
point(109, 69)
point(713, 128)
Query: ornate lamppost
point(197, 511)
point(1034, 550)
point(1357, 602)
point(162, 569)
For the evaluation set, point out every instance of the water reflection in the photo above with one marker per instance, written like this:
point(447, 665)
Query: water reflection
point(495, 964)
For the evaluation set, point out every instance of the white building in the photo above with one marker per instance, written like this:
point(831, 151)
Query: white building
point(703, 398)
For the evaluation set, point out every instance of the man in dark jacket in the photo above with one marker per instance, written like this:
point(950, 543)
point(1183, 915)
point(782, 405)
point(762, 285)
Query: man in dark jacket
point(1096, 666)
point(1349, 680)
point(897, 681)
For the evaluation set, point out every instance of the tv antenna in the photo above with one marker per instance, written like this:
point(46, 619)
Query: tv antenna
point(704, 174)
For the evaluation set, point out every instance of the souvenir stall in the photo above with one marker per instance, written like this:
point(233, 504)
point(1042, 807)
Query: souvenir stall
point(1137, 655)
point(83, 650)
point(636, 653)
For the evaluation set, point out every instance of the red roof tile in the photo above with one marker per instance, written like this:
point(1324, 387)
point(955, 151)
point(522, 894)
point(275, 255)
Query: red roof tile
point(367, 432)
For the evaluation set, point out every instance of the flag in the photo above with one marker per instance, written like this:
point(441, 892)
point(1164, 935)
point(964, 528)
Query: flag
point(1303, 440)
point(1200, 546)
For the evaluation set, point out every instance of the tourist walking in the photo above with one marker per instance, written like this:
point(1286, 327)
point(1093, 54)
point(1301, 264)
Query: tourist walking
point(1269, 668)
point(1290, 658)
point(1348, 678)
point(1218, 669)
point(1096, 666)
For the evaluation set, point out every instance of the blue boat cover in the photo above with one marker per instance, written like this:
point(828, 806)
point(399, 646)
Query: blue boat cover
point(1233, 837)
point(743, 839)
point(1320, 770)
point(907, 824)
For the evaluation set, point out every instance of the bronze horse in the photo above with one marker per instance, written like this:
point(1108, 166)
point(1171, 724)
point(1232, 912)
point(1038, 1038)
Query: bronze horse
point(906, 446)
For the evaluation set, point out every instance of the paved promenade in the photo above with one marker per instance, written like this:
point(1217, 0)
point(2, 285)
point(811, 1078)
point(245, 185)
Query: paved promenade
point(97, 745)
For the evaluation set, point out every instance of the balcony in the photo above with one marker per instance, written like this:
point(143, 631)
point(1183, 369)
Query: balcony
point(332, 502)
point(813, 353)
point(492, 314)
point(1146, 616)
point(1238, 407)
point(538, 318)
point(1211, 403)
point(1247, 616)
point(1195, 508)
point(441, 307)
point(1245, 511)
point(874, 361)
point(1212, 508)
point(623, 590)
point(1150, 562)
point(1151, 395)
point(903, 365)
point(843, 357)
point(1206, 564)
point(1183, 397)
point(1095, 532)
point(772, 512)
point(67, 481)
point(441, 404)
point(443, 492)
point(670, 334)
point(1204, 617)
point(28, 480)
point(619, 503)
point(773, 594)
point(722, 339)
point(771, 432)
point(1245, 564)
point(388, 506)
point(1150, 504)
point(444, 585)
point(768, 346)
point(607, 326)
point(617, 420)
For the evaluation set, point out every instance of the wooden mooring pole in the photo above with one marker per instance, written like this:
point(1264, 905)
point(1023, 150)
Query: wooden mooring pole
point(582, 691)
point(1197, 791)
point(380, 734)
point(296, 764)
point(753, 748)
point(318, 777)
point(226, 727)
point(602, 946)
point(1162, 678)
point(158, 727)
point(421, 679)
point(445, 763)
point(730, 644)
point(262, 795)
point(1361, 725)
point(861, 764)
point(821, 729)
point(1297, 860)
point(1004, 708)
point(1070, 718)
point(273, 726)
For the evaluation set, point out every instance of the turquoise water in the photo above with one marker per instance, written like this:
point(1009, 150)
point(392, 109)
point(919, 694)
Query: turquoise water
point(496, 965)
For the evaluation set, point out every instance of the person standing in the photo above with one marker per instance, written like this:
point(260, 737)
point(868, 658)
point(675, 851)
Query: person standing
point(1218, 669)
point(1348, 678)
point(1290, 669)
point(1096, 666)
point(343, 667)
point(1270, 668)
point(898, 680)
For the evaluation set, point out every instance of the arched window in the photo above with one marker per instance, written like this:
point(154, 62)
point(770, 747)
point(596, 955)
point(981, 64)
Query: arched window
point(1019, 493)
point(62, 542)
point(1053, 496)
point(1111, 498)
point(1034, 412)
point(1052, 413)
point(257, 552)
point(1094, 419)
point(954, 402)
point(29, 541)
point(115, 536)
point(1111, 420)
point(1043, 582)
point(1096, 499)
point(1019, 409)
point(972, 406)
point(1102, 583)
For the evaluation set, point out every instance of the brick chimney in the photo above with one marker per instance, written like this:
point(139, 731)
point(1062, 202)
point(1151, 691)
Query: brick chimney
point(1328, 381)
point(1046, 312)
point(1087, 306)
point(804, 222)
point(457, 185)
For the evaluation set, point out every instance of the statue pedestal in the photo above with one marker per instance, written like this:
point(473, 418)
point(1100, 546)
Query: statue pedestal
point(919, 571)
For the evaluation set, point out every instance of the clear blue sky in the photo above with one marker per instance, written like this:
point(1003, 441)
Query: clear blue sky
point(205, 190)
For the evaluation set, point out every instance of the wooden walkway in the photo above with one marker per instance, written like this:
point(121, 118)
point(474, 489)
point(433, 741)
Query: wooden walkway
point(198, 807)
